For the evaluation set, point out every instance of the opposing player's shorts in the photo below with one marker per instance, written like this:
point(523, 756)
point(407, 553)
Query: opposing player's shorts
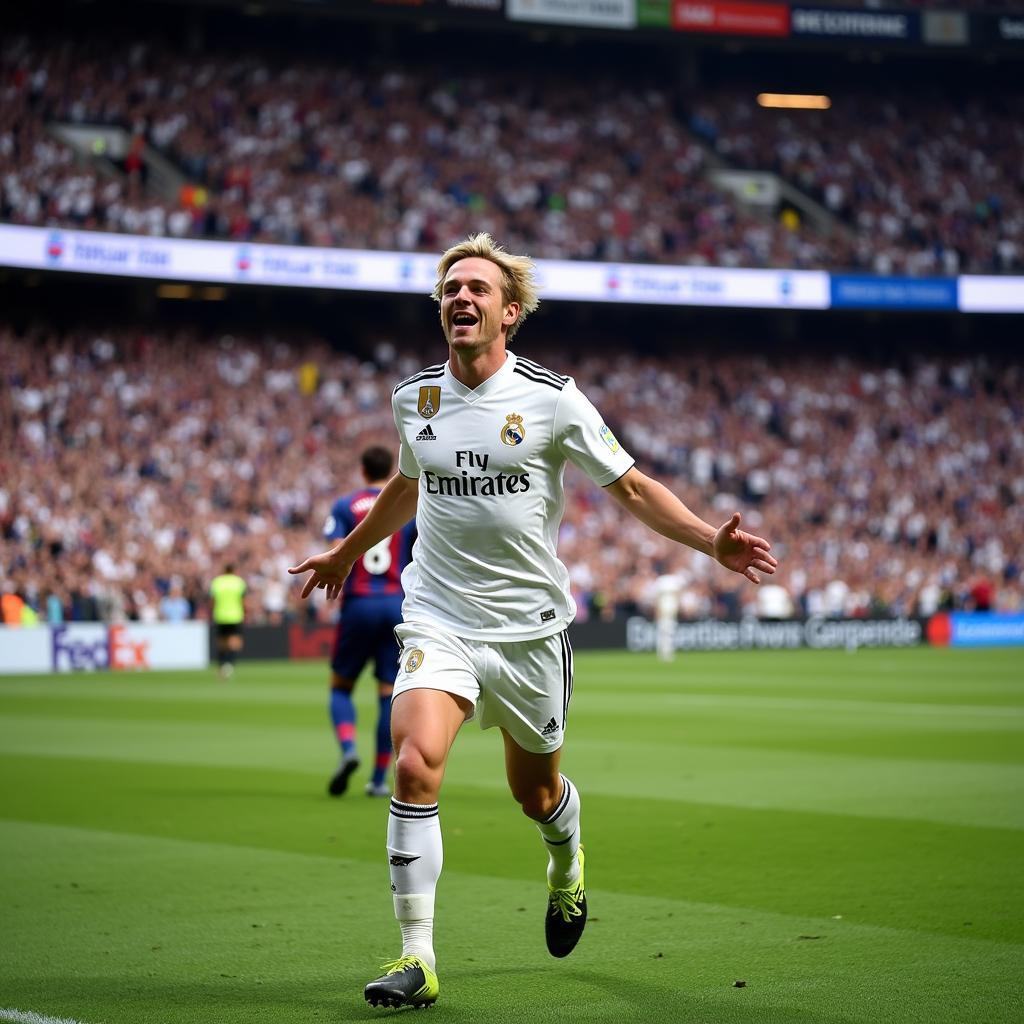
point(524, 685)
point(366, 632)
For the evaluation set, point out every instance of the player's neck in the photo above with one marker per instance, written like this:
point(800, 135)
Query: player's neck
point(472, 368)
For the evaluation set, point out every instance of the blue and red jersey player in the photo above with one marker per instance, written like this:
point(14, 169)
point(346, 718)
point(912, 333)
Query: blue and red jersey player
point(371, 608)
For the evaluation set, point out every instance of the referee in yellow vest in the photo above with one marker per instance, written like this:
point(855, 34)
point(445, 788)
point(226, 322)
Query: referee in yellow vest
point(227, 595)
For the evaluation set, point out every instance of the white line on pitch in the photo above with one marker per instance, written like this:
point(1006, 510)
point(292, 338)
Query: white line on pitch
point(28, 1017)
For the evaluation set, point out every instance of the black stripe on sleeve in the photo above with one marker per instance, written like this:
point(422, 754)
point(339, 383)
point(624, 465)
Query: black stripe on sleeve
point(537, 379)
point(430, 373)
point(529, 364)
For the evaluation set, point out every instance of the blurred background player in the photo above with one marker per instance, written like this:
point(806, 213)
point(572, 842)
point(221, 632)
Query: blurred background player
point(668, 590)
point(773, 603)
point(371, 609)
point(227, 597)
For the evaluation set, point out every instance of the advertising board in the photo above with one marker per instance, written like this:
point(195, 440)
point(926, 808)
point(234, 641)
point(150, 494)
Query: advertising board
point(754, 634)
point(840, 23)
point(865, 291)
point(96, 646)
point(591, 13)
point(977, 629)
point(232, 263)
point(731, 18)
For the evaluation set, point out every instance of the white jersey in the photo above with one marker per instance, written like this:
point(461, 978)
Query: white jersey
point(490, 462)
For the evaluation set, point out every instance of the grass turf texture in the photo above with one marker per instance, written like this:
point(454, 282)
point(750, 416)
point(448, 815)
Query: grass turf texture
point(842, 832)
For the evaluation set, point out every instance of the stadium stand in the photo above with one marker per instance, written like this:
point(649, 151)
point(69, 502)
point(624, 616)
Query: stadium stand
point(410, 157)
point(374, 158)
point(136, 457)
point(928, 184)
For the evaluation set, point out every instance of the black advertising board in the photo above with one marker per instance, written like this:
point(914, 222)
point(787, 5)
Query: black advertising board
point(841, 23)
point(999, 29)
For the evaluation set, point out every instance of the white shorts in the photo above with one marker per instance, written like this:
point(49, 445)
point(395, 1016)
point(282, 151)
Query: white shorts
point(524, 685)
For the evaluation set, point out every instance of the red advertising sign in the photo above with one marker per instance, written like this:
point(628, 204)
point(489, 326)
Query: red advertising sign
point(310, 641)
point(729, 18)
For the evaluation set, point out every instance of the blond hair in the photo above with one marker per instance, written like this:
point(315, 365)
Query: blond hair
point(517, 280)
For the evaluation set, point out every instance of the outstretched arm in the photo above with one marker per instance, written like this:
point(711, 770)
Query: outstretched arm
point(394, 507)
point(657, 507)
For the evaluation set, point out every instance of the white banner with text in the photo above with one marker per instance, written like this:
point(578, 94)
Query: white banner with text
point(97, 647)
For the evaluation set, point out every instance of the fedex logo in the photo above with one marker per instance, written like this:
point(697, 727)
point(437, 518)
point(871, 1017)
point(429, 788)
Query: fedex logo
point(90, 648)
point(126, 653)
point(84, 648)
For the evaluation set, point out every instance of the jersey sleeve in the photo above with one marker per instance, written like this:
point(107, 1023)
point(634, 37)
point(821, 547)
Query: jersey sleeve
point(585, 440)
point(340, 522)
point(407, 464)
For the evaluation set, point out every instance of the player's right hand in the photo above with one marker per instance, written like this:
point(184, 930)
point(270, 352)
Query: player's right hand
point(329, 573)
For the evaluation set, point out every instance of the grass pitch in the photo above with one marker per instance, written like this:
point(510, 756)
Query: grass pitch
point(842, 833)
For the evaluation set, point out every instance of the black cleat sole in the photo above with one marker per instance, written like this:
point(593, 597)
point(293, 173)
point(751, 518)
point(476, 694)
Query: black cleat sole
point(397, 1004)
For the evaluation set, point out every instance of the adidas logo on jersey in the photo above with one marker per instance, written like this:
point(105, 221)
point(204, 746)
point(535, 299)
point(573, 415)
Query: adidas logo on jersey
point(426, 434)
point(548, 729)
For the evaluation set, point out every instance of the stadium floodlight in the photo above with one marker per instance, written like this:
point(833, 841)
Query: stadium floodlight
point(793, 101)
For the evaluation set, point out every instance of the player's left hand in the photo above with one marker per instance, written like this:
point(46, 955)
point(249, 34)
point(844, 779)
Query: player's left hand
point(743, 552)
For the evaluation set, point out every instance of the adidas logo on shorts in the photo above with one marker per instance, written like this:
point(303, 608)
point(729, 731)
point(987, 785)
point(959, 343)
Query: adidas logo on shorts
point(426, 434)
point(548, 729)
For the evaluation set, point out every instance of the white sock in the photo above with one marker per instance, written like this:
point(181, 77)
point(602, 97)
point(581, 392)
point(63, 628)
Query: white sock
point(415, 855)
point(561, 832)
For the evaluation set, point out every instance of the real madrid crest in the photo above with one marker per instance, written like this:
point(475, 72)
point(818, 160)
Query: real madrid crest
point(414, 660)
point(429, 403)
point(513, 432)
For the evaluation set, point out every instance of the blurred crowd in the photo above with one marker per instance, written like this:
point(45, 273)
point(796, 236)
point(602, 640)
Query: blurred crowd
point(925, 186)
point(135, 463)
point(603, 166)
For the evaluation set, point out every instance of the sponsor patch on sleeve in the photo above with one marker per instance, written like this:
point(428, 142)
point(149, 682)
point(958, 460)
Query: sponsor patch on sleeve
point(609, 438)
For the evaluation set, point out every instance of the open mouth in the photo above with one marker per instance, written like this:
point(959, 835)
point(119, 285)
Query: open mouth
point(463, 320)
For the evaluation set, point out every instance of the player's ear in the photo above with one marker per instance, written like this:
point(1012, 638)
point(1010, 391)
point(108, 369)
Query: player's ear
point(511, 314)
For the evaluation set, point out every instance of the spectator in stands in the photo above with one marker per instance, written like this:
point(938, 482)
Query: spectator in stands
point(12, 605)
point(174, 606)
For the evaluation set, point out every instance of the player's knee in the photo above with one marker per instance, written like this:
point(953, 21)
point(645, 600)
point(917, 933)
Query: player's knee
point(417, 776)
point(537, 802)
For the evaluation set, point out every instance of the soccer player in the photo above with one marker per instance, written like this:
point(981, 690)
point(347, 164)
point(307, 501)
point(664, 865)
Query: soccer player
point(227, 594)
point(370, 611)
point(668, 588)
point(484, 439)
